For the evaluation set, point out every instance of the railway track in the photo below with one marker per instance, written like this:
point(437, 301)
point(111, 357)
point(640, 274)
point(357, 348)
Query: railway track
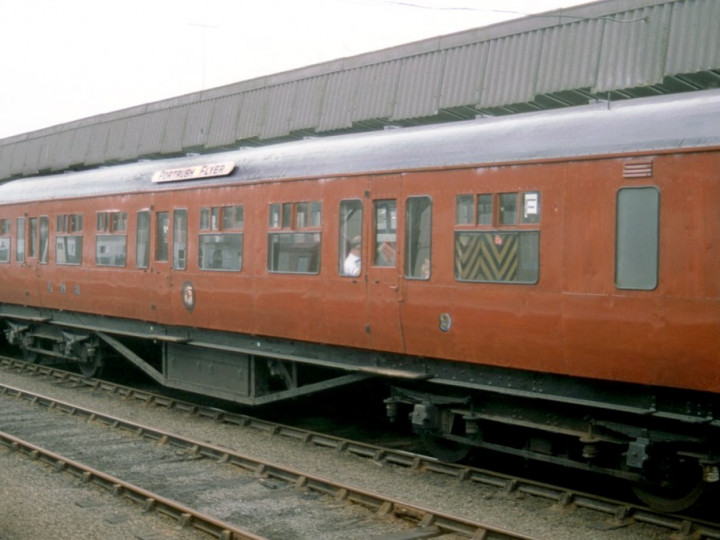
point(193, 480)
point(618, 514)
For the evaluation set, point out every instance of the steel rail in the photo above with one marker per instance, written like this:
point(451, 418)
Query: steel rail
point(618, 512)
point(429, 522)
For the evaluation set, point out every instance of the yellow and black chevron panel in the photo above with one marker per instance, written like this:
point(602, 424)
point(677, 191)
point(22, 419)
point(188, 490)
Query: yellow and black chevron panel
point(486, 256)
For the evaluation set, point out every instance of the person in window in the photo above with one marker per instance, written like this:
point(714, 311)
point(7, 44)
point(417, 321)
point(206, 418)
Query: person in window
point(353, 264)
point(386, 254)
point(425, 269)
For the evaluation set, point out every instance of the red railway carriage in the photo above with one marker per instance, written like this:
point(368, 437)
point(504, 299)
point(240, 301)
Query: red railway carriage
point(554, 274)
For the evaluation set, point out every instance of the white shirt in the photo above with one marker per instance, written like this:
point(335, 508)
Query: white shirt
point(352, 265)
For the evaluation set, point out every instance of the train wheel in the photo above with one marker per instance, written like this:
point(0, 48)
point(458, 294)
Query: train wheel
point(28, 355)
point(437, 440)
point(91, 367)
point(681, 488)
point(444, 449)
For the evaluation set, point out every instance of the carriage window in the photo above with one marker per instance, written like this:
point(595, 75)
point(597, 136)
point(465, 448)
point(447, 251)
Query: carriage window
point(296, 252)
point(504, 246)
point(142, 245)
point(180, 239)
point(111, 240)
point(418, 228)
point(301, 216)
point(464, 214)
point(508, 208)
point(4, 240)
point(286, 215)
point(637, 238)
point(484, 209)
point(350, 240)
point(275, 212)
point(308, 215)
point(162, 230)
point(20, 248)
point(315, 214)
point(221, 238)
point(69, 239)
point(44, 243)
point(32, 237)
point(233, 217)
point(385, 233)
point(205, 221)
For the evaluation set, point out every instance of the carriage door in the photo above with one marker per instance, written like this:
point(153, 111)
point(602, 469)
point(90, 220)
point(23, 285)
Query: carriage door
point(383, 274)
point(160, 263)
point(170, 258)
point(182, 291)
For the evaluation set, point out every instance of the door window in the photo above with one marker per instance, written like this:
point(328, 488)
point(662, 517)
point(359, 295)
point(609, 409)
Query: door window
point(385, 233)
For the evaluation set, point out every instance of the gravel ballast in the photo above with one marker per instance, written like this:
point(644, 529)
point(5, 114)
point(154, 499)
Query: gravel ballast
point(35, 504)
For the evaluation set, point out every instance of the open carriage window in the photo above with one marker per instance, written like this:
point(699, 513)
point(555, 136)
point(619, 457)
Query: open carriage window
point(350, 240)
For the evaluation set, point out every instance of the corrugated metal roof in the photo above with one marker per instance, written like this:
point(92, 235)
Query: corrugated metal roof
point(340, 100)
point(419, 86)
point(612, 49)
point(251, 115)
point(307, 104)
point(634, 48)
point(693, 38)
point(152, 126)
point(98, 144)
point(569, 57)
point(223, 121)
point(197, 123)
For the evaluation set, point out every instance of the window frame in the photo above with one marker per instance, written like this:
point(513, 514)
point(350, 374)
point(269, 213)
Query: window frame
point(637, 243)
point(31, 249)
point(384, 237)
point(69, 226)
point(223, 224)
point(347, 238)
point(6, 240)
point(162, 236)
point(415, 231)
point(285, 235)
point(20, 240)
point(143, 238)
point(180, 239)
point(110, 231)
point(43, 239)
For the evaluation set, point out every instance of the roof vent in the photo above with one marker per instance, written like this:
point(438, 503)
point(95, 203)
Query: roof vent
point(638, 168)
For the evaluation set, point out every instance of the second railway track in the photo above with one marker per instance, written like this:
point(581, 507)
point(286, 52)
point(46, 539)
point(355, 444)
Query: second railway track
point(508, 505)
point(254, 499)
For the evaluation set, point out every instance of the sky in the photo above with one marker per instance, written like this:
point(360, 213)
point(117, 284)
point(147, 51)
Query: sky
point(63, 60)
